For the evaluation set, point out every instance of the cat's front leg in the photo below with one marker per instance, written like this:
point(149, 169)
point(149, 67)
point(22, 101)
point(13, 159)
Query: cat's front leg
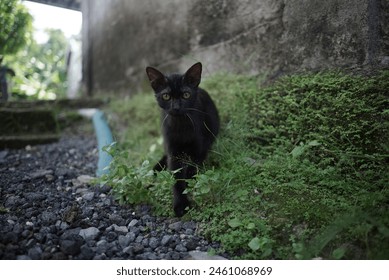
point(180, 200)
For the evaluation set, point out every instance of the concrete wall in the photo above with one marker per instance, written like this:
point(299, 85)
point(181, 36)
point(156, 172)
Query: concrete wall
point(272, 37)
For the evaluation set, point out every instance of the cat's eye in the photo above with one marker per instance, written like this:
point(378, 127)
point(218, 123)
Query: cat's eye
point(186, 95)
point(165, 96)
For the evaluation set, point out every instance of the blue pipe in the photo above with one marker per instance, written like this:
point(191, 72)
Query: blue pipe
point(104, 138)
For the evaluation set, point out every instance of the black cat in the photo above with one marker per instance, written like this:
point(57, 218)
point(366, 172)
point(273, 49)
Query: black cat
point(190, 123)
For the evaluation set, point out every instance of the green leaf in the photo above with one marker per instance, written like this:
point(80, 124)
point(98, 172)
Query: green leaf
point(241, 194)
point(254, 244)
point(298, 151)
point(250, 226)
point(205, 189)
point(314, 143)
point(234, 223)
point(338, 253)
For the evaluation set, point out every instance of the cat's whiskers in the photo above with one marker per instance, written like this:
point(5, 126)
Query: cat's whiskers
point(196, 110)
point(194, 127)
point(164, 119)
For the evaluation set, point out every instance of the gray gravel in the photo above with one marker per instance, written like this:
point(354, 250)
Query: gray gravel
point(49, 210)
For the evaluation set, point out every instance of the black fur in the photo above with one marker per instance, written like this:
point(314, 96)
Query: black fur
point(190, 123)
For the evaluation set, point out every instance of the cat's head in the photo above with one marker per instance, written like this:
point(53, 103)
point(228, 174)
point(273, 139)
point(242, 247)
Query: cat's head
point(175, 93)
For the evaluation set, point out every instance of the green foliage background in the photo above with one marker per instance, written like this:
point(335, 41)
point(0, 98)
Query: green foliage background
point(299, 170)
point(40, 68)
point(15, 26)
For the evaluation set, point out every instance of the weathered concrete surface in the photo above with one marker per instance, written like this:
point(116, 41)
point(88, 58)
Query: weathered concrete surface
point(270, 37)
point(122, 37)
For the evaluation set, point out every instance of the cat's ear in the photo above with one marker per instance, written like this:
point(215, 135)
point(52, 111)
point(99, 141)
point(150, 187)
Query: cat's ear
point(192, 77)
point(156, 78)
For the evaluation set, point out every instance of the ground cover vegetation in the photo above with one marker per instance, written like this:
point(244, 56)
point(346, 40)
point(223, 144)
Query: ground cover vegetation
point(299, 170)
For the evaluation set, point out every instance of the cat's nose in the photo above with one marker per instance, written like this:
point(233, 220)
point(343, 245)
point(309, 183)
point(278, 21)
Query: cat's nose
point(176, 106)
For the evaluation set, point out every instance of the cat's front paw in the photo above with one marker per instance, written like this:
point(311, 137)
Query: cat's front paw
point(180, 206)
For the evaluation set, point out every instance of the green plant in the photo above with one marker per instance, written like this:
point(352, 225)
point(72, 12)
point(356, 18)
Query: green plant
point(137, 184)
point(299, 169)
point(41, 68)
point(16, 27)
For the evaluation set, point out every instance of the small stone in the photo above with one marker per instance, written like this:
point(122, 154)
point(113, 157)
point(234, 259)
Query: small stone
point(80, 191)
point(35, 253)
point(40, 173)
point(145, 242)
point(153, 243)
point(30, 243)
point(34, 197)
point(181, 248)
point(48, 218)
point(71, 246)
point(69, 232)
point(120, 229)
point(26, 234)
point(87, 252)
point(39, 236)
point(189, 225)
point(138, 248)
point(129, 250)
point(134, 230)
point(89, 233)
point(111, 236)
point(191, 245)
point(88, 212)
point(116, 219)
point(11, 201)
point(104, 189)
point(101, 243)
point(143, 229)
point(85, 179)
point(102, 246)
point(10, 237)
point(139, 239)
point(175, 226)
point(61, 225)
point(146, 218)
point(174, 255)
point(166, 239)
point(124, 241)
point(150, 256)
point(133, 223)
point(131, 236)
point(88, 196)
point(65, 172)
point(29, 224)
point(49, 178)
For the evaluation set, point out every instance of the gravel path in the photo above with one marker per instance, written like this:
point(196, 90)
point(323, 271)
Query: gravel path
point(48, 210)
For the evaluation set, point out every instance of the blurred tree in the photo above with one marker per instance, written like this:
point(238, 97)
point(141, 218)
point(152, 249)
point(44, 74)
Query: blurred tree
point(15, 26)
point(41, 68)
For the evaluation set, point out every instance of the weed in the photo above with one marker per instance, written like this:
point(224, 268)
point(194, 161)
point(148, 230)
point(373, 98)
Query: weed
point(299, 170)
